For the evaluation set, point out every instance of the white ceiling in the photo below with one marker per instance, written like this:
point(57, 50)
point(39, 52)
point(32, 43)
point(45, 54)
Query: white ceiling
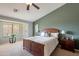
point(33, 14)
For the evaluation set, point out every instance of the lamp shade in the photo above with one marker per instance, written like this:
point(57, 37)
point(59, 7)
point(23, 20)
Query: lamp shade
point(69, 32)
point(62, 32)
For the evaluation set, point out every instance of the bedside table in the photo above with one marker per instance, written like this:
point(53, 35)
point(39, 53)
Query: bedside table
point(67, 44)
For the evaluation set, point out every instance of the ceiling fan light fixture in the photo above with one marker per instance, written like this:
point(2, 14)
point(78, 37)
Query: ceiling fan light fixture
point(29, 4)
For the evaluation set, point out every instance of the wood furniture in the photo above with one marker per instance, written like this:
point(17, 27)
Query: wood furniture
point(67, 44)
point(51, 30)
point(27, 45)
point(36, 49)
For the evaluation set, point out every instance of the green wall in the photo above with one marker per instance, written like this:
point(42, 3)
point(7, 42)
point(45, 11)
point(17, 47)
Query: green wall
point(64, 18)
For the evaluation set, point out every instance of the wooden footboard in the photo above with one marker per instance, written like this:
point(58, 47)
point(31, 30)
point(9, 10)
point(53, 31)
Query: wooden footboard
point(27, 45)
point(35, 48)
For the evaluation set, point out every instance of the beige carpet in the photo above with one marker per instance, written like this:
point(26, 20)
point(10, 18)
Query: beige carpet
point(62, 52)
point(16, 49)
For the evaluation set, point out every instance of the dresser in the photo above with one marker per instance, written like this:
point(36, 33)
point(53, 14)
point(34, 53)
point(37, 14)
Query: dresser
point(67, 44)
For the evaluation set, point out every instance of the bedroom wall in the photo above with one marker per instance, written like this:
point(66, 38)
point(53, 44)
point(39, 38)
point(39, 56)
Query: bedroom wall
point(64, 18)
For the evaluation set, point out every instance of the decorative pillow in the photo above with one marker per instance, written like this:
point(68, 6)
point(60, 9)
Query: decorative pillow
point(42, 34)
point(54, 35)
point(45, 34)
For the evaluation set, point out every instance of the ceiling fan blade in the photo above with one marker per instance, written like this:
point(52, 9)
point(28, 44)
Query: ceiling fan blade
point(28, 6)
point(35, 6)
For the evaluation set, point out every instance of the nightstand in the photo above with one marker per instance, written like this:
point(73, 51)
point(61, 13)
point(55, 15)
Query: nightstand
point(67, 44)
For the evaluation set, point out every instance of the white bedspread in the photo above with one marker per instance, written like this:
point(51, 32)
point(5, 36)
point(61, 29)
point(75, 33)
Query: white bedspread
point(49, 42)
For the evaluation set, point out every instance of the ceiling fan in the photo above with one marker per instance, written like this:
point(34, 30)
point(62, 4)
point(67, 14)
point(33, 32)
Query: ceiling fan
point(28, 6)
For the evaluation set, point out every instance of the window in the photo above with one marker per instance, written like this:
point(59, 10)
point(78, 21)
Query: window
point(7, 29)
point(15, 29)
point(18, 29)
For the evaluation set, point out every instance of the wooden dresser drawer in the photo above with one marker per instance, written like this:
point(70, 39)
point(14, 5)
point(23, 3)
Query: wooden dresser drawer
point(68, 44)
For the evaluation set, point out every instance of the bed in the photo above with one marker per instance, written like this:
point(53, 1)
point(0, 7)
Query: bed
point(40, 45)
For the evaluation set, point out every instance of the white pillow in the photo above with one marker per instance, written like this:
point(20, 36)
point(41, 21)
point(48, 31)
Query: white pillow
point(46, 34)
point(42, 34)
point(54, 35)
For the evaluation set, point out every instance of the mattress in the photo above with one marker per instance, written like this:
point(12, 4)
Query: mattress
point(49, 43)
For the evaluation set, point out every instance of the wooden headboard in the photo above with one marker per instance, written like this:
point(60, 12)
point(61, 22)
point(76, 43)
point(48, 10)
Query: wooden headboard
point(51, 30)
